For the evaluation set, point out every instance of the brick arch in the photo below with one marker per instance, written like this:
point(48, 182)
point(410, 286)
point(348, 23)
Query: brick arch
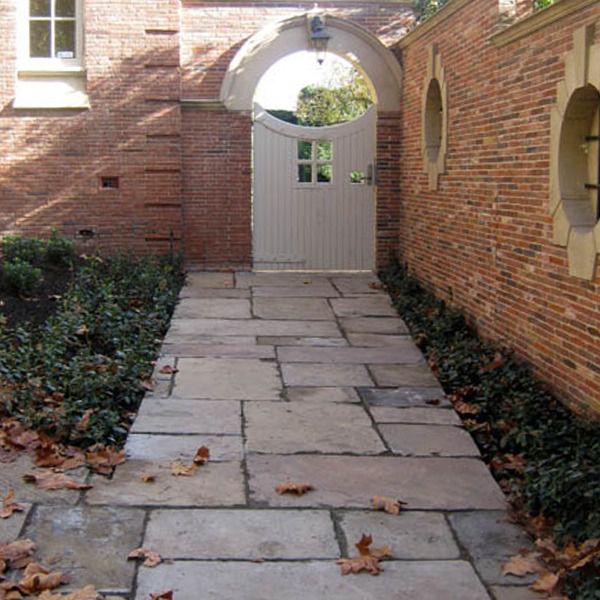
point(348, 40)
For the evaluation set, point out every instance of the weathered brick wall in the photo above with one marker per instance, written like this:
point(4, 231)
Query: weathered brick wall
point(483, 240)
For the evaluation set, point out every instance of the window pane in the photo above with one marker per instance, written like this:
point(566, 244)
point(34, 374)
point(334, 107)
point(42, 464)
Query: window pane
point(65, 8)
point(65, 39)
point(324, 173)
point(304, 150)
point(304, 173)
point(324, 150)
point(39, 39)
point(39, 8)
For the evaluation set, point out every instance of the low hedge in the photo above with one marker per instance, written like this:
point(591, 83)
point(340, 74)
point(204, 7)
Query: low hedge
point(546, 457)
point(93, 354)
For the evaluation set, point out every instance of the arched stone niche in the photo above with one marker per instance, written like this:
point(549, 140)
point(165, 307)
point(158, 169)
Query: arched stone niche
point(348, 40)
point(574, 167)
point(434, 119)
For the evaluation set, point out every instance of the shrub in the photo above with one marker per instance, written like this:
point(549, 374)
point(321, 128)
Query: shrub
point(59, 250)
point(21, 277)
point(26, 249)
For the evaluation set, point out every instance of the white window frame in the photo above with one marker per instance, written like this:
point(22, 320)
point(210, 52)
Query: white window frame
point(43, 64)
point(314, 163)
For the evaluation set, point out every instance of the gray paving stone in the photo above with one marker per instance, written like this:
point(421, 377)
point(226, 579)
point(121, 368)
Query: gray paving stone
point(209, 340)
point(162, 447)
point(366, 306)
point(89, 543)
point(198, 292)
point(301, 341)
point(203, 279)
point(357, 284)
point(374, 325)
point(414, 375)
point(209, 308)
point(280, 279)
point(178, 416)
point(317, 374)
point(322, 394)
point(428, 440)
point(406, 397)
point(514, 593)
point(242, 534)
point(412, 535)
point(214, 484)
point(11, 528)
point(417, 414)
point(351, 481)
point(380, 340)
point(227, 379)
point(350, 355)
point(191, 350)
point(286, 428)
point(491, 540)
point(312, 309)
point(427, 580)
point(242, 327)
point(320, 289)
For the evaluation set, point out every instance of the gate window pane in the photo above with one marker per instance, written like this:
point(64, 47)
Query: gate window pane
point(65, 39)
point(304, 150)
point(324, 151)
point(324, 173)
point(304, 173)
point(39, 39)
point(357, 177)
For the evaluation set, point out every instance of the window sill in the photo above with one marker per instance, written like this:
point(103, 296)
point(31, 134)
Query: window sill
point(48, 71)
point(62, 90)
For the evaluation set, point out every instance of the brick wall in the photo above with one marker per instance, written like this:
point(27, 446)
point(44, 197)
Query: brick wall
point(483, 240)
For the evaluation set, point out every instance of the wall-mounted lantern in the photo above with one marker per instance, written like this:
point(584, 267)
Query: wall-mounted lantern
point(318, 35)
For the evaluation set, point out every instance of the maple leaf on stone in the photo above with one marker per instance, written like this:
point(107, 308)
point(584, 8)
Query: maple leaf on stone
point(202, 455)
point(54, 481)
point(389, 505)
point(87, 593)
point(178, 469)
point(168, 370)
point(521, 565)
point(9, 506)
point(102, 459)
point(168, 595)
point(151, 558)
point(368, 559)
point(546, 583)
point(292, 487)
point(17, 552)
point(148, 477)
point(37, 579)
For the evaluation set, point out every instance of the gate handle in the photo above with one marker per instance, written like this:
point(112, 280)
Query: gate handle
point(371, 177)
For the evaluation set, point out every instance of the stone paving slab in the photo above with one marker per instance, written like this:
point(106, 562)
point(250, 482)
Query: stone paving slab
point(227, 379)
point(287, 428)
point(191, 350)
point(207, 308)
point(187, 416)
point(198, 292)
point(417, 375)
point(11, 528)
point(319, 375)
point(417, 414)
point(195, 327)
point(322, 394)
point(350, 355)
point(412, 535)
point(208, 340)
point(312, 309)
point(203, 279)
point(366, 306)
point(514, 593)
point(91, 544)
point(317, 580)
point(406, 397)
point(380, 340)
point(321, 289)
point(214, 484)
point(242, 534)
point(429, 440)
point(374, 325)
point(357, 284)
point(351, 481)
point(162, 447)
point(283, 340)
point(280, 279)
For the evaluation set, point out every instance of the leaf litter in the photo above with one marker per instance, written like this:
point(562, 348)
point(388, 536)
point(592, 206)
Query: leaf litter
point(368, 558)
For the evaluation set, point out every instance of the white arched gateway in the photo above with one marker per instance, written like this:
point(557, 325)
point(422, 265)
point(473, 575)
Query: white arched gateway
point(314, 188)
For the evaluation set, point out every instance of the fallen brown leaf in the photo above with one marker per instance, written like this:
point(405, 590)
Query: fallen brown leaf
point(389, 505)
point(102, 459)
point(375, 285)
point(87, 593)
point(54, 481)
point(546, 582)
point(168, 370)
point(37, 579)
point(9, 506)
point(148, 477)
point(294, 488)
point(465, 408)
point(494, 364)
point(368, 559)
point(73, 462)
point(202, 455)
point(2, 566)
point(151, 558)
point(147, 384)
point(521, 565)
point(84, 422)
point(168, 595)
point(178, 469)
point(16, 551)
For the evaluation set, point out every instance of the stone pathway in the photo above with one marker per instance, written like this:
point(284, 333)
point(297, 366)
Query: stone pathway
point(285, 377)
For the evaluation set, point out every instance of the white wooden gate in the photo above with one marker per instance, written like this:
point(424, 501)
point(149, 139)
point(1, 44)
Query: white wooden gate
point(314, 194)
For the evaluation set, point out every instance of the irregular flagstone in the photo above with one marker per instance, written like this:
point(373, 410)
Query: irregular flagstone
point(214, 484)
point(490, 541)
point(320, 289)
point(227, 379)
point(11, 528)
point(366, 306)
point(191, 350)
point(284, 427)
point(514, 593)
point(373, 325)
point(184, 447)
point(312, 309)
point(380, 340)
point(178, 416)
point(350, 355)
point(320, 375)
point(279, 279)
point(301, 341)
point(415, 375)
point(406, 397)
point(351, 481)
point(417, 414)
point(203, 279)
point(427, 440)
point(189, 291)
point(263, 327)
point(89, 543)
point(242, 534)
point(322, 394)
point(412, 535)
point(426, 580)
point(208, 340)
point(208, 308)
point(357, 284)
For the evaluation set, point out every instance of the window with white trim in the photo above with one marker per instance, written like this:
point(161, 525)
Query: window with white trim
point(315, 161)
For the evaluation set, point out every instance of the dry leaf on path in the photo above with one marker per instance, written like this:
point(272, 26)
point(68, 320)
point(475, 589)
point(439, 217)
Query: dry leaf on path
point(16, 551)
point(178, 469)
point(168, 370)
point(292, 487)
point(521, 565)
point(37, 579)
point(148, 477)
point(54, 481)
point(2, 566)
point(151, 558)
point(168, 595)
point(546, 582)
point(202, 455)
point(368, 560)
point(388, 504)
point(9, 506)
point(87, 593)
point(102, 459)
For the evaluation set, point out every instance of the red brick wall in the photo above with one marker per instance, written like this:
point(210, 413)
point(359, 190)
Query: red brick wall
point(484, 240)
